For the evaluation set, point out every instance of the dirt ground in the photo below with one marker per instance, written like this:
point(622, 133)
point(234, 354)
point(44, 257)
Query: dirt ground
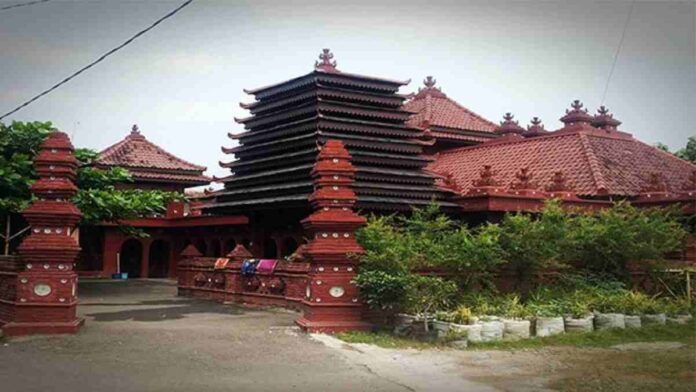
point(139, 336)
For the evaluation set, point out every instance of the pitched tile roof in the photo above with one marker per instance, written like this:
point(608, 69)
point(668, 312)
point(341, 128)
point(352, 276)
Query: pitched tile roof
point(147, 161)
point(594, 162)
point(430, 105)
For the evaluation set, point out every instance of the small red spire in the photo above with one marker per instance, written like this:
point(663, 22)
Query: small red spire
point(605, 120)
point(577, 115)
point(536, 128)
point(508, 126)
point(327, 64)
point(524, 180)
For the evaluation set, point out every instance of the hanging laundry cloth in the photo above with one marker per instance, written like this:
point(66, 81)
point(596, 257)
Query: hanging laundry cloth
point(221, 263)
point(249, 267)
point(266, 266)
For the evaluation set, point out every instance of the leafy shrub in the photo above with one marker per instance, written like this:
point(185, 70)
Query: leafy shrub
point(426, 294)
point(382, 290)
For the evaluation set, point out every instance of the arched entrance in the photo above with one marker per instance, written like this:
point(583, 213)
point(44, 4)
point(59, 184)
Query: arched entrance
point(215, 250)
point(131, 258)
point(270, 249)
point(202, 247)
point(230, 245)
point(159, 259)
point(289, 246)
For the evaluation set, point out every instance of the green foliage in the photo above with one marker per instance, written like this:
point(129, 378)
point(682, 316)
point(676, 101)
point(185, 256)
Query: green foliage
point(688, 153)
point(19, 143)
point(426, 294)
point(461, 315)
point(600, 244)
point(112, 205)
point(606, 241)
point(530, 243)
point(382, 290)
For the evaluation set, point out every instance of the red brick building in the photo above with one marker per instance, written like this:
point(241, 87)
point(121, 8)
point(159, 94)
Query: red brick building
point(106, 249)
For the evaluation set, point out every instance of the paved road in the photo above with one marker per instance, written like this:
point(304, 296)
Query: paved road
point(140, 337)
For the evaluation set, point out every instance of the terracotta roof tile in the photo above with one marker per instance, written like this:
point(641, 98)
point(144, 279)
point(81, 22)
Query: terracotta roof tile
point(594, 162)
point(431, 105)
point(146, 160)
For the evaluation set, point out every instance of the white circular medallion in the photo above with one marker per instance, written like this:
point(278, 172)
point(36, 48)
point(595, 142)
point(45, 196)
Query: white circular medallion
point(337, 291)
point(42, 289)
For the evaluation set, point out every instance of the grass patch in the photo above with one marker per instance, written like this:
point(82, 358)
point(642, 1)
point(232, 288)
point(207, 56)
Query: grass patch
point(388, 340)
point(657, 333)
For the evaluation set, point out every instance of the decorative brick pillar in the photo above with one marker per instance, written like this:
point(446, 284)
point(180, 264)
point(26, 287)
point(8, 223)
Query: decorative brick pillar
point(331, 302)
point(47, 287)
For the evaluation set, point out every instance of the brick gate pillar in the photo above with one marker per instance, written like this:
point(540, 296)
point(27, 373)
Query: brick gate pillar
point(47, 285)
point(331, 302)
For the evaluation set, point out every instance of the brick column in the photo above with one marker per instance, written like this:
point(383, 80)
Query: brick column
point(47, 286)
point(331, 302)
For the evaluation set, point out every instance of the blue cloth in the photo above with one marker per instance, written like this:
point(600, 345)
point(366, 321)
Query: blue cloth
point(249, 267)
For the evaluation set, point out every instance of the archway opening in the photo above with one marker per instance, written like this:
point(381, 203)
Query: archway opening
point(270, 249)
point(289, 246)
point(215, 250)
point(131, 258)
point(159, 259)
point(230, 245)
point(202, 247)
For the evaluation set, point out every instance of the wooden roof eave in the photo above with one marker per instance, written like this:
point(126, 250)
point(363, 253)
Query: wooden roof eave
point(236, 178)
point(245, 147)
point(240, 163)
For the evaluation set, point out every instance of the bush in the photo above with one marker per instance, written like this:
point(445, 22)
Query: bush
point(381, 290)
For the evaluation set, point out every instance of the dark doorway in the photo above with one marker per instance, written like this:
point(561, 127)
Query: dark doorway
point(159, 259)
point(202, 247)
point(230, 245)
point(289, 246)
point(270, 250)
point(215, 250)
point(131, 258)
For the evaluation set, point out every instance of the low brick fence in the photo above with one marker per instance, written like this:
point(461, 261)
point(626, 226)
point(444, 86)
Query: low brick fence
point(198, 277)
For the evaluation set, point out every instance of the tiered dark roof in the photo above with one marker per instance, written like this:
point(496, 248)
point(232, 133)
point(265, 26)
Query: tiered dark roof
point(291, 120)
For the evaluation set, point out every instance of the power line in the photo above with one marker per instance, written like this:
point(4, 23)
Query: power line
point(97, 61)
point(7, 7)
point(618, 50)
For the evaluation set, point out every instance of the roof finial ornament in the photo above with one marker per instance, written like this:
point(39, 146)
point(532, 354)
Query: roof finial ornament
point(429, 81)
point(327, 63)
point(576, 116)
point(135, 130)
point(508, 126)
point(536, 128)
point(605, 120)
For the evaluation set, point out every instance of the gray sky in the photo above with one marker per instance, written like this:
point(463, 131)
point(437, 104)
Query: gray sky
point(183, 81)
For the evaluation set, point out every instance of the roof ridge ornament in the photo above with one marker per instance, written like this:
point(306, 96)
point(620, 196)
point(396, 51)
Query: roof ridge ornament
point(536, 128)
point(576, 116)
point(508, 126)
point(429, 81)
point(327, 63)
point(605, 120)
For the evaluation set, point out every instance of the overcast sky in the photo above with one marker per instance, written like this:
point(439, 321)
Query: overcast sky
point(182, 82)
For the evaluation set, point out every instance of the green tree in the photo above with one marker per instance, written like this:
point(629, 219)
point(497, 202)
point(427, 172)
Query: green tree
point(98, 198)
point(689, 151)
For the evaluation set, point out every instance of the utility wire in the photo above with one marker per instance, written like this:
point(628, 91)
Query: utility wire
point(618, 50)
point(7, 7)
point(97, 61)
